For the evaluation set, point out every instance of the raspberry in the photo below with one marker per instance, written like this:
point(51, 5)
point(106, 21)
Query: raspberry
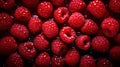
point(90, 27)
point(114, 5)
point(7, 45)
point(61, 15)
point(57, 61)
point(72, 57)
point(50, 29)
point(100, 44)
point(22, 14)
point(14, 60)
point(40, 42)
point(117, 38)
point(43, 60)
point(67, 34)
point(35, 25)
point(83, 42)
point(103, 62)
point(45, 9)
point(76, 5)
point(110, 27)
point(76, 20)
point(5, 21)
point(19, 31)
point(97, 8)
point(58, 2)
point(58, 47)
point(87, 61)
point(27, 50)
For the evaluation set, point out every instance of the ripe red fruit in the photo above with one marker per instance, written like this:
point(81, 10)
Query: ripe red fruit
point(61, 15)
point(14, 60)
point(67, 34)
point(100, 44)
point(45, 9)
point(58, 2)
point(43, 60)
point(5, 21)
point(22, 14)
point(117, 38)
point(72, 57)
point(27, 50)
point(110, 27)
point(97, 8)
point(50, 29)
point(19, 31)
point(87, 61)
point(35, 25)
point(76, 20)
point(7, 45)
point(83, 42)
point(40, 42)
point(90, 27)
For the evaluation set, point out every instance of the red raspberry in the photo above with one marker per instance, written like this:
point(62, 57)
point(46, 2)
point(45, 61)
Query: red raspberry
point(76, 5)
point(22, 14)
point(72, 57)
point(58, 47)
point(50, 29)
point(5, 21)
point(100, 44)
point(14, 60)
point(61, 14)
point(83, 42)
point(110, 27)
point(19, 31)
point(40, 42)
point(67, 34)
point(87, 61)
point(57, 61)
point(115, 53)
point(103, 62)
point(97, 8)
point(7, 45)
point(114, 5)
point(35, 25)
point(76, 20)
point(90, 27)
point(58, 2)
point(45, 9)
point(117, 38)
point(27, 50)
point(43, 60)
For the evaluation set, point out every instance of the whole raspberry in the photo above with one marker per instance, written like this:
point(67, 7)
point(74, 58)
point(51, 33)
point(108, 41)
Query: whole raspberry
point(7, 45)
point(117, 38)
point(22, 14)
point(58, 2)
point(90, 27)
point(35, 25)
point(43, 60)
point(83, 42)
point(57, 61)
point(114, 5)
point(58, 47)
point(19, 31)
point(45, 9)
point(72, 57)
point(14, 60)
point(61, 15)
point(97, 8)
point(103, 62)
point(27, 50)
point(110, 27)
point(5, 21)
point(40, 42)
point(76, 20)
point(76, 5)
point(87, 61)
point(100, 44)
point(50, 29)
point(67, 34)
